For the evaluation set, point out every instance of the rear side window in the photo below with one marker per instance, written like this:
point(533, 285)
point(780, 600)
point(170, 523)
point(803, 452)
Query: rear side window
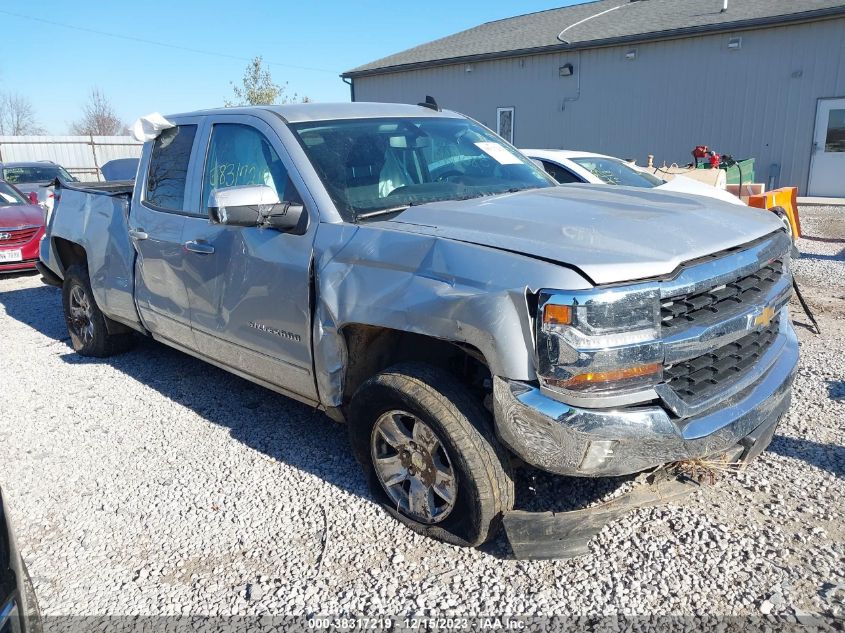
point(169, 168)
point(559, 173)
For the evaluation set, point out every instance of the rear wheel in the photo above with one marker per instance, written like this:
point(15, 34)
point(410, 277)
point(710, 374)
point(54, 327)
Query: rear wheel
point(429, 454)
point(86, 324)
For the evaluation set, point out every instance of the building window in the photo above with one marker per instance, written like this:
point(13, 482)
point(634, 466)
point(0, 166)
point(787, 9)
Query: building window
point(504, 123)
point(835, 140)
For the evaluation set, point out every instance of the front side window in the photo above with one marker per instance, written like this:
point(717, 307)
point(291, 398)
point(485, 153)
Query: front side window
point(241, 155)
point(9, 196)
point(616, 172)
point(168, 172)
point(372, 165)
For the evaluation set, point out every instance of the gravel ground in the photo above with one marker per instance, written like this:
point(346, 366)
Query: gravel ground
point(152, 483)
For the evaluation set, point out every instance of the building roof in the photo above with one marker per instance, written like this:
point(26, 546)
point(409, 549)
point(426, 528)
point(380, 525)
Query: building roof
point(599, 23)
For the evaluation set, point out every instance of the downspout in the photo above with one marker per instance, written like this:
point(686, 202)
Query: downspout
point(351, 83)
point(563, 40)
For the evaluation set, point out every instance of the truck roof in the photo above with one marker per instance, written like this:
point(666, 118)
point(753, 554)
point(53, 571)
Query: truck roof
point(300, 112)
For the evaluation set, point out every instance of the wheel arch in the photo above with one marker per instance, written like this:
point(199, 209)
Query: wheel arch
point(69, 253)
point(372, 349)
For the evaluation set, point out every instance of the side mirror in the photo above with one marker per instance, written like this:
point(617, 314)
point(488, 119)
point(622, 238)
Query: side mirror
point(252, 205)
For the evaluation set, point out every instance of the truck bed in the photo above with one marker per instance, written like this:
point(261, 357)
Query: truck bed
point(95, 216)
point(110, 188)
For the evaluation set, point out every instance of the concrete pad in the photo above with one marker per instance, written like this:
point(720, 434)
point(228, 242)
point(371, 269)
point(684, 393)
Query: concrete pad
point(821, 201)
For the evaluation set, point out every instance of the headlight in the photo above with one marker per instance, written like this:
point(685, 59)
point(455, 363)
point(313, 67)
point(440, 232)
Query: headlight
point(605, 311)
point(598, 348)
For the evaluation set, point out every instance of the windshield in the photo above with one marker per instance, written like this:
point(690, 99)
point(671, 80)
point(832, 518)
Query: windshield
point(10, 196)
point(36, 173)
point(616, 172)
point(375, 165)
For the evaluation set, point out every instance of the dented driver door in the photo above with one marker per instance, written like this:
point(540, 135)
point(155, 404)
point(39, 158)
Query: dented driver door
point(248, 287)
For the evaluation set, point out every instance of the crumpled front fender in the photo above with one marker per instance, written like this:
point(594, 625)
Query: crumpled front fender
point(428, 285)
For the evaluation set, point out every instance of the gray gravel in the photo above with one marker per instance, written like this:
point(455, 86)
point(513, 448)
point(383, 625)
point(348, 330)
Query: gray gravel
point(152, 483)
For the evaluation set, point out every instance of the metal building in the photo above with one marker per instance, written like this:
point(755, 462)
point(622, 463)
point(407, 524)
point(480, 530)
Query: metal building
point(750, 78)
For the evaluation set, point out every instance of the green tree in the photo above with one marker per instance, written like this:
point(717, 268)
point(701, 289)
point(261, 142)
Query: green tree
point(258, 88)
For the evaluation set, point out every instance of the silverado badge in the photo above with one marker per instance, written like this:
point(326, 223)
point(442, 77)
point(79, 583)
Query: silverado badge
point(275, 331)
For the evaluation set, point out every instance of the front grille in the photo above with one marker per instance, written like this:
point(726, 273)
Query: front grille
point(685, 310)
point(17, 237)
point(696, 379)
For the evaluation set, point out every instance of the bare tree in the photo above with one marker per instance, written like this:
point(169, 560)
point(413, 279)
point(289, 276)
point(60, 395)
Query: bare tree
point(17, 116)
point(257, 88)
point(98, 117)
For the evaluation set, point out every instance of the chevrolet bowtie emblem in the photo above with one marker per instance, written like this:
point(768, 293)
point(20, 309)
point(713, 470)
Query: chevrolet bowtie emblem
point(765, 317)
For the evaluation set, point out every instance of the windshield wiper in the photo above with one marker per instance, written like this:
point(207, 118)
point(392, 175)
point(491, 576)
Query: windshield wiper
point(405, 207)
point(378, 212)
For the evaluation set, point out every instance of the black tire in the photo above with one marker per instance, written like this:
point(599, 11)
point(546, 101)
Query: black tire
point(784, 218)
point(89, 333)
point(485, 488)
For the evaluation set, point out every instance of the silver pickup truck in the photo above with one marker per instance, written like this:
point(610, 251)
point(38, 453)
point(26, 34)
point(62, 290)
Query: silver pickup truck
point(408, 272)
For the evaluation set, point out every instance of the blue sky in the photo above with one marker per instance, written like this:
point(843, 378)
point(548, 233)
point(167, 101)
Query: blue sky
point(55, 67)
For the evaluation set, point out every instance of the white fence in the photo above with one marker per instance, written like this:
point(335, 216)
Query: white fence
point(82, 156)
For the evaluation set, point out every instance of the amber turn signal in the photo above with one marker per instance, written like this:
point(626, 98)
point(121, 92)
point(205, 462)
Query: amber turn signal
point(557, 314)
point(617, 375)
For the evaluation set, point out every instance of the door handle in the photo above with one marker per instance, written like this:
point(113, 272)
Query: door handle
point(203, 248)
point(138, 234)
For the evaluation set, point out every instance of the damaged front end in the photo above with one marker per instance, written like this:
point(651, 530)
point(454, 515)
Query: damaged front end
point(552, 535)
point(547, 535)
point(692, 370)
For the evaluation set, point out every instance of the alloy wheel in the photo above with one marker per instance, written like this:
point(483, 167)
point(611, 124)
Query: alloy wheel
point(81, 315)
point(413, 467)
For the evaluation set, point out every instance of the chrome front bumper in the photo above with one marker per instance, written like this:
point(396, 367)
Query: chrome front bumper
point(568, 440)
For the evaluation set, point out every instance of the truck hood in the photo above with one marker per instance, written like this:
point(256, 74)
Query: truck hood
point(611, 234)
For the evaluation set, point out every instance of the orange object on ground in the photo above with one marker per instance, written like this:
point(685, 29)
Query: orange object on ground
point(786, 198)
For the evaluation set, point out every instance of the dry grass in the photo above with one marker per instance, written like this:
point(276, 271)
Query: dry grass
point(704, 469)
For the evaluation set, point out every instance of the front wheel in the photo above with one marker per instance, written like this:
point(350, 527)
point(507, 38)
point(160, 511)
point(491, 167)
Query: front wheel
point(86, 324)
point(428, 452)
point(784, 218)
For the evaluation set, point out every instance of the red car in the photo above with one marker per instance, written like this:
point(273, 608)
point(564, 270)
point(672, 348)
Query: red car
point(21, 228)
